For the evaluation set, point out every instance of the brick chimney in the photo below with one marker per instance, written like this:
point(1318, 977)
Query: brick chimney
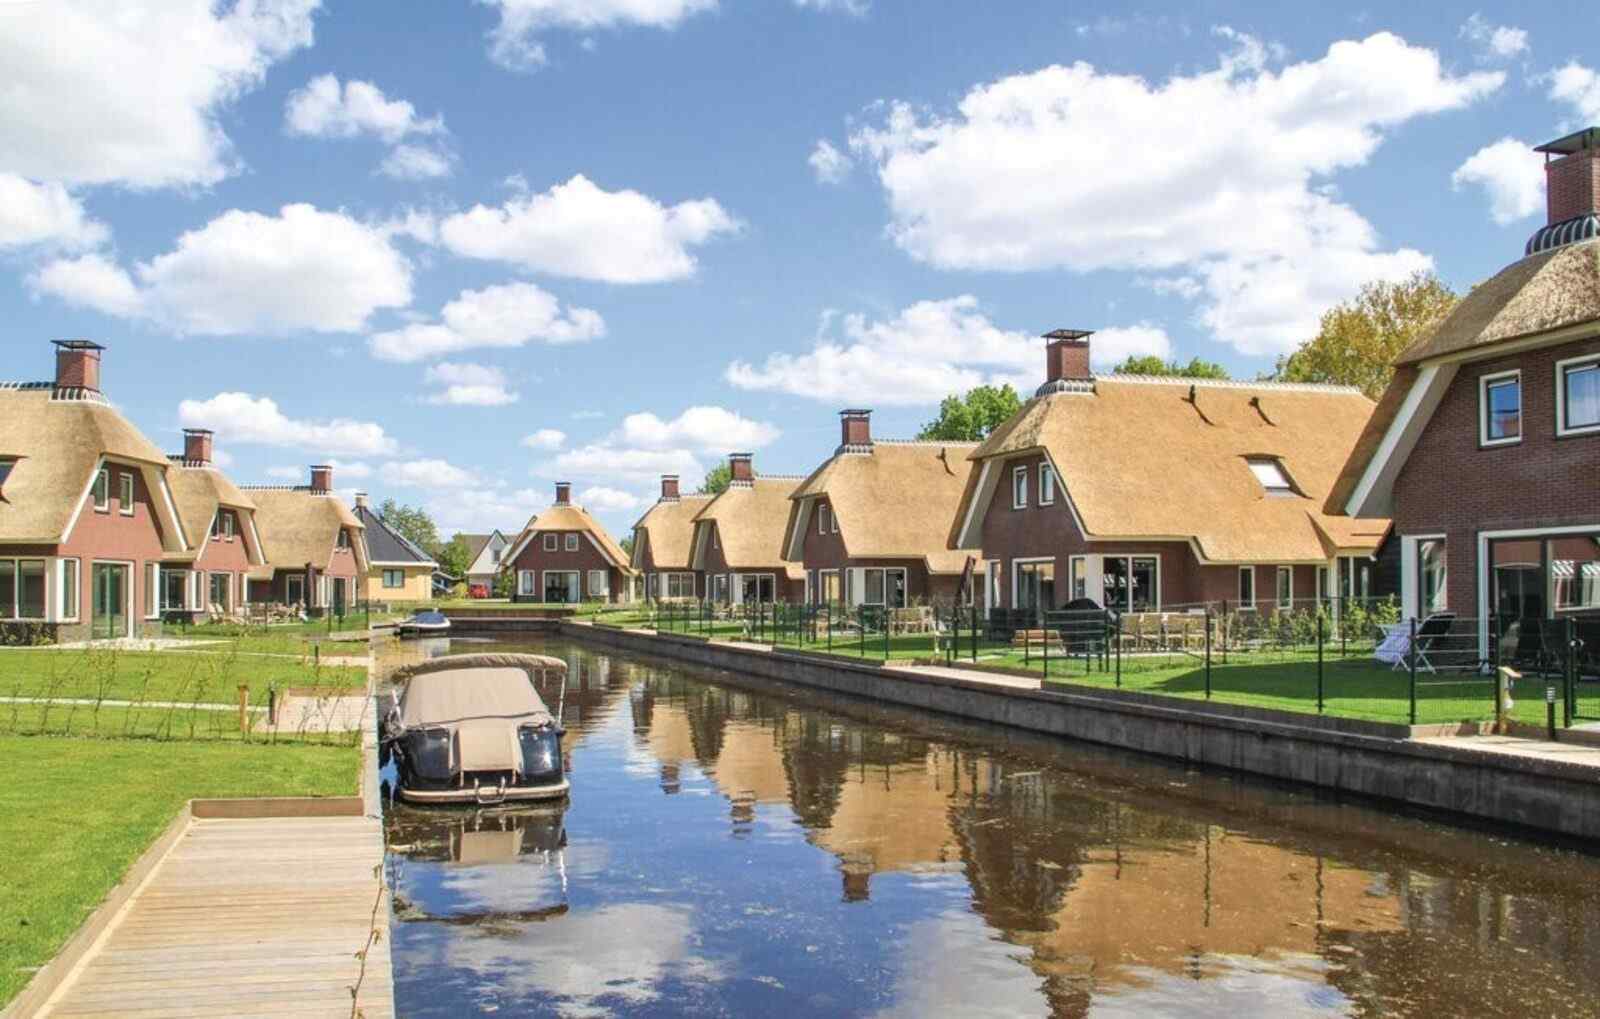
point(1572, 191)
point(78, 364)
point(197, 446)
point(321, 479)
point(563, 493)
point(669, 488)
point(1067, 355)
point(741, 467)
point(855, 429)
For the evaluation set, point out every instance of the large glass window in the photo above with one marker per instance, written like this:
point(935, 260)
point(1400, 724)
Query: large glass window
point(525, 582)
point(1047, 485)
point(600, 583)
point(218, 588)
point(173, 583)
point(8, 589)
point(1129, 583)
point(1080, 577)
point(102, 490)
point(885, 587)
point(1247, 587)
point(125, 494)
point(1036, 586)
point(757, 587)
point(561, 586)
point(1501, 408)
point(1019, 487)
point(822, 518)
point(1574, 573)
point(393, 579)
point(1355, 577)
point(1285, 587)
point(721, 586)
point(1431, 576)
point(679, 585)
point(1579, 392)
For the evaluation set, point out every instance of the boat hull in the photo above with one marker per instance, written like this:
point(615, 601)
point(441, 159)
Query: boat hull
point(488, 797)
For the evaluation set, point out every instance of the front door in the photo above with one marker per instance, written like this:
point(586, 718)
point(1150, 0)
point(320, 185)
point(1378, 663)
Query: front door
point(338, 596)
point(1036, 588)
point(108, 616)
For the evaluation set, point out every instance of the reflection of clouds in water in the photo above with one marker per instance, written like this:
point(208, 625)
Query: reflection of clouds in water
point(619, 952)
point(1287, 986)
point(952, 964)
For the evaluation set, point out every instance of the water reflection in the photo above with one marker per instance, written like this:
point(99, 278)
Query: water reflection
point(741, 847)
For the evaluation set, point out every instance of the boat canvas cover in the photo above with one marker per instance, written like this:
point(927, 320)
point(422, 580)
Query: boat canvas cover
point(483, 708)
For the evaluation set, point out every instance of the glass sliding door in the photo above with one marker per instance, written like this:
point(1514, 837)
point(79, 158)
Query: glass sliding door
point(1036, 588)
point(561, 587)
point(109, 601)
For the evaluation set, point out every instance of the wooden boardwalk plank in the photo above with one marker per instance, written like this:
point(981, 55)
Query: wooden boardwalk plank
point(258, 916)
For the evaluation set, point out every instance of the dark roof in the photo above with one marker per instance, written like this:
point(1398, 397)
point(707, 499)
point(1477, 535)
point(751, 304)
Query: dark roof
point(385, 544)
point(1577, 141)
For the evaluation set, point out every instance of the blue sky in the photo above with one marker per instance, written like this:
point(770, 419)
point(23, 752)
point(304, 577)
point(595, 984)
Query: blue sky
point(517, 240)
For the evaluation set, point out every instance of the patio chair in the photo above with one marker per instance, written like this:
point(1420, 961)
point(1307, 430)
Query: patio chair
point(1397, 650)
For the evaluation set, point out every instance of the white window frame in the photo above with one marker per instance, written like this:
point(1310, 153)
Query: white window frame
point(1276, 467)
point(400, 574)
point(1047, 484)
point(720, 584)
point(152, 582)
point(600, 590)
point(1246, 604)
point(552, 542)
point(1278, 590)
point(289, 583)
point(1019, 487)
point(527, 583)
point(1414, 547)
point(1484, 382)
point(1016, 574)
point(571, 543)
point(16, 589)
point(127, 491)
point(823, 513)
point(1098, 576)
point(72, 613)
point(227, 589)
point(905, 584)
point(1562, 367)
point(996, 576)
point(544, 586)
point(100, 490)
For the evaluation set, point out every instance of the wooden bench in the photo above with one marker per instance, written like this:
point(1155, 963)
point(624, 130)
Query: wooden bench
point(1035, 641)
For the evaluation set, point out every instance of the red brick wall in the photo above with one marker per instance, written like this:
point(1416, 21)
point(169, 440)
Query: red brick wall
point(1572, 185)
point(114, 536)
point(587, 557)
point(716, 563)
point(1451, 486)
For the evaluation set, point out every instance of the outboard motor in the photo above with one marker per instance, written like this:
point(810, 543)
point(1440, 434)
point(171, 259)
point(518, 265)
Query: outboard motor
point(541, 753)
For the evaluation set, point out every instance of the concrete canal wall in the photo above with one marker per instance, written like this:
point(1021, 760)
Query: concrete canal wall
point(1365, 758)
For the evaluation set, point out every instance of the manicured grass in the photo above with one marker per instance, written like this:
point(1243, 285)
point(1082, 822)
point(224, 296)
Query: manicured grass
point(278, 638)
point(76, 813)
point(202, 676)
point(268, 643)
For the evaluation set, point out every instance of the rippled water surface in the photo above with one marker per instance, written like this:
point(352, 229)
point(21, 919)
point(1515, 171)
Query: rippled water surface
point(737, 847)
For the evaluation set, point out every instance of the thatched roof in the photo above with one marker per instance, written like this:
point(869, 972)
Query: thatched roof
point(921, 481)
point(570, 517)
point(198, 491)
point(1550, 290)
point(751, 520)
point(667, 529)
point(1139, 460)
point(57, 444)
point(299, 526)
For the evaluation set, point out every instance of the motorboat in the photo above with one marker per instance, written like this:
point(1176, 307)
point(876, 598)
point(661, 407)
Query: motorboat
point(472, 729)
point(424, 624)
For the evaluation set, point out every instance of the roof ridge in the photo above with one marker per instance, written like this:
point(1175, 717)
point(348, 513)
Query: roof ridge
point(925, 442)
point(1181, 380)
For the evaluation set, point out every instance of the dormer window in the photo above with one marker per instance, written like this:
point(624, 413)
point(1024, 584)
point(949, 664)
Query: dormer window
point(5, 472)
point(822, 518)
point(344, 538)
point(102, 491)
point(1271, 475)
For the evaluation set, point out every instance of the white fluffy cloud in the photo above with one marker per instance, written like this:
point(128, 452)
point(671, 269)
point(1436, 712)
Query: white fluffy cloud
point(1494, 42)
point(1059, 168)
point(326, 109)
point(545, 438)
point(465, 384)
point(1579, 87)
point(44, 214)
point(704, 428)
point(130, 92)
point(241, 417)
point(855, 7)
point(417, 162)
point(514, 42)
point(343, 470)
point(246, 272)
point(829, 164)
point(923, 354)
point(427, 473)
point(606, 462)
point(578, 229)
point(1510, 173)
point(604, 499)
point(507, 315)
point(480, 508)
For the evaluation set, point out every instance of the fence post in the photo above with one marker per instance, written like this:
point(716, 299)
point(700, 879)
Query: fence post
point(1494, 656)
point(1027, 636)
point(1208, 649)
point(861, 630)
point(974, 634)
point(1569, 702)
point(1319, 663)
point(1046, 635)
point(1411, 668)
point(886, 629)
point(1114, 628)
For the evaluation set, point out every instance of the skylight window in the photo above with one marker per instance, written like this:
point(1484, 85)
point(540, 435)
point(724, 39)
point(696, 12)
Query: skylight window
point(1270, 474)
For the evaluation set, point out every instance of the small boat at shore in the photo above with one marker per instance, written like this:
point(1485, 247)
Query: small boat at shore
point(424, 624)
point(472, 729)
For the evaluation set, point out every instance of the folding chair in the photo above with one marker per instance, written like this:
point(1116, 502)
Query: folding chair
point(1429, 632)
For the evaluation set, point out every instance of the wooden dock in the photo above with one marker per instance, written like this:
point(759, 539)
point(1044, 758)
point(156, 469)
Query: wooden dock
point(247, 917)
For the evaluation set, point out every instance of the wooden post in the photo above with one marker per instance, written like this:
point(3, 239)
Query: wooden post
point(244, 707)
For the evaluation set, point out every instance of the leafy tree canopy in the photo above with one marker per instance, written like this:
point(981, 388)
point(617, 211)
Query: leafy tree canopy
point(972, 417)
point(1150, 364)
point(717, 479)
point(1360, 339)
point(414, 523)
point(454, 557)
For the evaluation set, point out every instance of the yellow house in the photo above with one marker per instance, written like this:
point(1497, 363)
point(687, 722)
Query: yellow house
point(398, 571)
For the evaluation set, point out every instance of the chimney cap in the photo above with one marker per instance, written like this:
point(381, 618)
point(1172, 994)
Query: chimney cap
point(322, 467)
point(197, 431)
point(1068, 334)
point(741, 456)
point(669, 477)
point(1577, 141)
point(77, 345)
point(856, 412)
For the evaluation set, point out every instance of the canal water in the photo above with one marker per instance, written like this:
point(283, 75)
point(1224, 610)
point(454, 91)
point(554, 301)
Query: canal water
point(739, 847)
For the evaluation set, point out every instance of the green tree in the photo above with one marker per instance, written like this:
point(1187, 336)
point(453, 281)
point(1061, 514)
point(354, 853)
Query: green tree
point(717, 480)
point(1150, 364)
point(1360, 339)
point(972, 417)
point(414, 523)
point(454, 557)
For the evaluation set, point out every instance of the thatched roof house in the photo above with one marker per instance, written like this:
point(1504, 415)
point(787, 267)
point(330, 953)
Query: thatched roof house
point(565, 555)
point(315, 544)
point(663, 543)
point(738, 538)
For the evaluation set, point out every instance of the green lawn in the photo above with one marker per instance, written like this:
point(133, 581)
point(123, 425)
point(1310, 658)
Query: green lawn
point(145, 676)
point(75, 814)
point(278, 638)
